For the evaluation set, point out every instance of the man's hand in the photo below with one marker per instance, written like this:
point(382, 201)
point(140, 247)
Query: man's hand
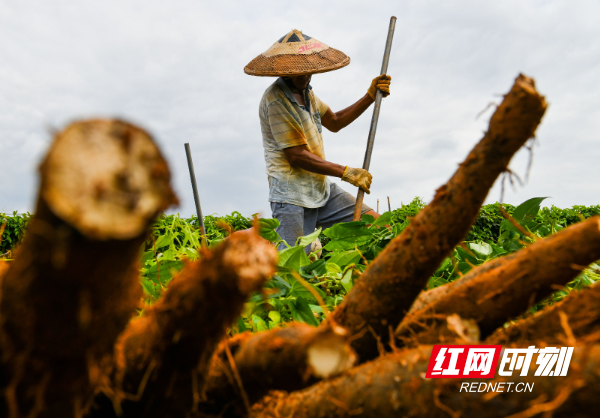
point(382, 83)
point(359, 178)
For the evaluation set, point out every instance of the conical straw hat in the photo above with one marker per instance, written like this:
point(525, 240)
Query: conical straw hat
point(297, 54)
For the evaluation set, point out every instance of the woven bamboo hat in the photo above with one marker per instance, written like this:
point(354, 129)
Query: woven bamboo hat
point(296, 54)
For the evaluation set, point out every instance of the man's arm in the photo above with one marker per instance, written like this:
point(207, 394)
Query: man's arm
point(336, 121)
point(300, 156)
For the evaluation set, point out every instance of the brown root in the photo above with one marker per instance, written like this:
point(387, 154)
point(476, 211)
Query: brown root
point(289, 358)
point(388, 287)
point(74, 283)
point(167, 350)
point(506, 287)
point(574, 319)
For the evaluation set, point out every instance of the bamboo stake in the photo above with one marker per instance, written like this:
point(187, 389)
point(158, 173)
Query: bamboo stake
point(375, 118)
point(188, 153)
point(389, 205)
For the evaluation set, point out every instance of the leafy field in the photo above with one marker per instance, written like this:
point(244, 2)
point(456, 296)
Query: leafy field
point(304, 286)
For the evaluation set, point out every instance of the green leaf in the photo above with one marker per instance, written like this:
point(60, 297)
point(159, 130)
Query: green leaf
point(293, 258)
point(347, 281)
point(368, 219)
point(275, 316)
point(215, 242)
point(316, 308)
point(301, 312)
point(345, 258)
point(333, 269)
point(268, 223)
point(507, 225)
point(347, 236)
point(241, 326)
point(149, 287)
point(193, 237)
point(316, 268)
point(464, 267)
point(445, 264)
point(528, 209)
point(170, 254)
point(163, 240)
point(259, 324)
point(190, 253)
point(481, 248)
point(266, 228)
point(384, 219)
point(167, 268)
point(466, 256)
point(300, 290)
point(306, 240)
point(280, 283)
point(146, 256)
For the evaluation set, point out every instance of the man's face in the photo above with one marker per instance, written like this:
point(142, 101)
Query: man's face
point(301, 81)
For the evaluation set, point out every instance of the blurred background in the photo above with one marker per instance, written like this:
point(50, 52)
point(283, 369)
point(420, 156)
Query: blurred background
point(176, 69)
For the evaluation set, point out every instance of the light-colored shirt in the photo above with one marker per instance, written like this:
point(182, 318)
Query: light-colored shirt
point(284, 124)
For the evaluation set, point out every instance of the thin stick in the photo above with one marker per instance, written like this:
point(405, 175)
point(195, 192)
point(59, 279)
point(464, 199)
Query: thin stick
point(188, 153)
point(377, 205)
point(375, 118)
point(237, 377)
point(316, 295)
point(389, 205)
point(516, 224)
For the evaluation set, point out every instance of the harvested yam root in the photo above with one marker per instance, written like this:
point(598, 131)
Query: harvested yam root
point(74, 283)
point(394, 386)
point(574, 319)
point(506, 287)
point(389, 286)
point(288, 359)
point(163, 356)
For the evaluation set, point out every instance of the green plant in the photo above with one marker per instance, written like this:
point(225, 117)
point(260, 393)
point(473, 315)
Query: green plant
point(14, 229)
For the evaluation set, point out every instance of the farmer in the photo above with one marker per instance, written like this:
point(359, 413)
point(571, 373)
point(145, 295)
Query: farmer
point(291, 118)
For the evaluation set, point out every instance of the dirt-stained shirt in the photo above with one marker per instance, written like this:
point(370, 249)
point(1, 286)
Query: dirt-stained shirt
point(284, 124)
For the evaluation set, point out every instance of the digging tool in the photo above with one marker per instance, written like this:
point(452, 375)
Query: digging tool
point(375, 118)
point(188, 153)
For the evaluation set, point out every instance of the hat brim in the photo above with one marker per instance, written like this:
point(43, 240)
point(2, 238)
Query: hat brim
point(329, 59)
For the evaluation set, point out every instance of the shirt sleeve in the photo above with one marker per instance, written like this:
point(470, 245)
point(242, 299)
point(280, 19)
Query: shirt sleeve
point(286, 130)
point(320, 106)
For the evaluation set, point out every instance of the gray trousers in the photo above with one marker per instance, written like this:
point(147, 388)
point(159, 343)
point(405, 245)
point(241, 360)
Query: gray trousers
point(296, 221)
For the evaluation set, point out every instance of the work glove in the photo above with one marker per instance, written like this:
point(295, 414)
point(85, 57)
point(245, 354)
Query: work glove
point(382, 83)
point(358, 177)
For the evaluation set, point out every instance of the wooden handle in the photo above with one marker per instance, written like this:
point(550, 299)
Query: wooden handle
point(358, 206)
point(375, 118)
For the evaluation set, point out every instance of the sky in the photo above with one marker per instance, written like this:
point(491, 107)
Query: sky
point(176, 69)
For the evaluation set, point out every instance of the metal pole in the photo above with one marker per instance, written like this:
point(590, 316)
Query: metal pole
point(188, 153)
point(375, 118)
